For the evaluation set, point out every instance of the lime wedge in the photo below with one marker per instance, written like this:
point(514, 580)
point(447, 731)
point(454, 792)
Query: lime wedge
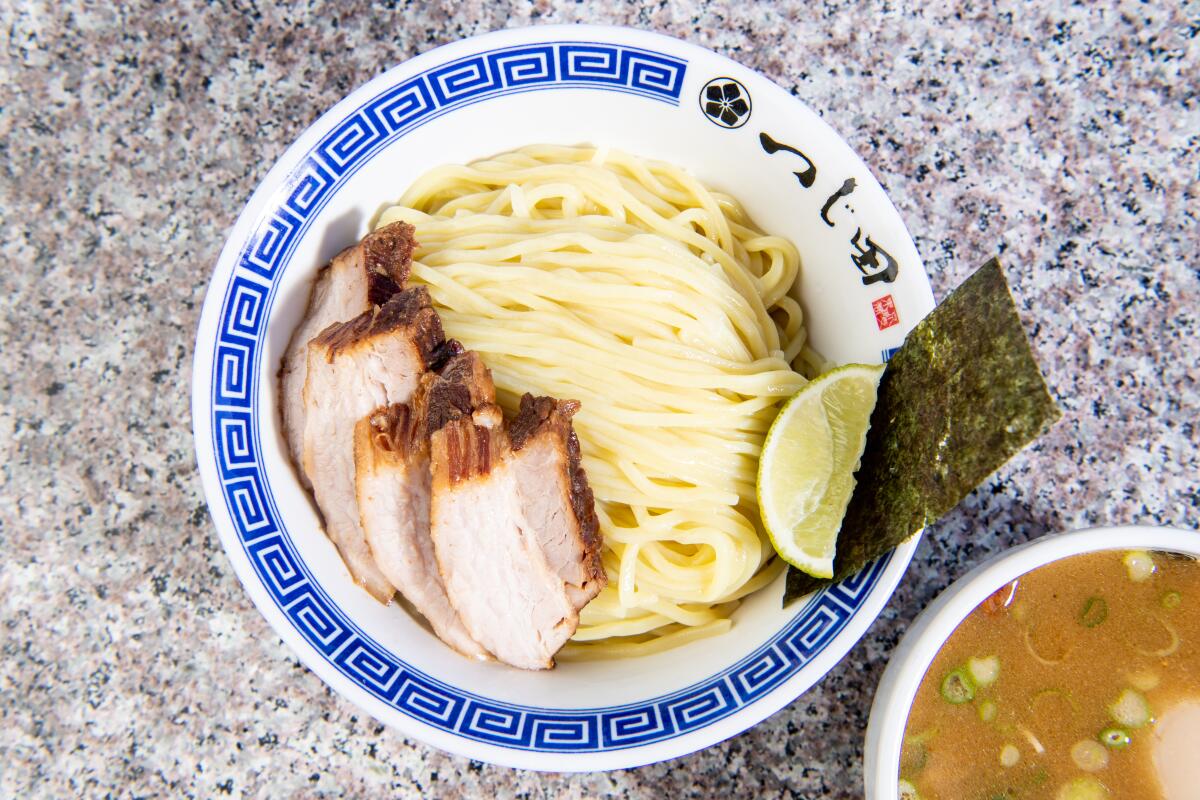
point(806, 470)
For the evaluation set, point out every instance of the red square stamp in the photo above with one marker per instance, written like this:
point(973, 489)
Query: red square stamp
point(885, 312)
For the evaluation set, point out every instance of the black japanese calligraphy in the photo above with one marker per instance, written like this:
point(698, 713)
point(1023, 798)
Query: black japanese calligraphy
point(873, 262)
point(807, 176)
point(845, 191)
point(868, 264)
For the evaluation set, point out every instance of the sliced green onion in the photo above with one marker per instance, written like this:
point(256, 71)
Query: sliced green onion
point(984, 671)
point(908, 791)
point(1171, 600)
point(1170, 649)
point(1130, 710)
point(1034, 742)
point(1009, 756)
point(1095, 611)
point(987, 711)
point(958, 687)
point(1019, 610)
point(922, 737)
point(1089, 756)
point(1049, 662)
point(1140, 565)
point(1083, 789)
point(1144, 680)
point(1114, 738)
point(913, 756)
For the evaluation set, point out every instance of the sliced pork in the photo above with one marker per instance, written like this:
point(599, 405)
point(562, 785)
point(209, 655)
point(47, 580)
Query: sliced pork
point(496, 574)
point(376, 359)
point(556, 499)
point(358, 278)
point(397, 434)
point(391, 456)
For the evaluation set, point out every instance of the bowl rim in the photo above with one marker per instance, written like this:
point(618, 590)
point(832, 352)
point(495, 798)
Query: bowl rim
point(937, 622)
point(883, 576)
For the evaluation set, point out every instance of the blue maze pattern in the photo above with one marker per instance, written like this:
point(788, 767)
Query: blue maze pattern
point(248, 501)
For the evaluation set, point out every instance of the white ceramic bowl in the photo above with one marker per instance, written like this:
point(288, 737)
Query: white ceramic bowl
point(644, 93)
point(931, 629)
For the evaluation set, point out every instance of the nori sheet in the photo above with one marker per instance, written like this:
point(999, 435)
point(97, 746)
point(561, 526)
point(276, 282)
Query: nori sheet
point(960, 397)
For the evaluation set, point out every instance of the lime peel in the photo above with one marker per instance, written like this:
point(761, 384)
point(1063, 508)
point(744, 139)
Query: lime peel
point(806, 469)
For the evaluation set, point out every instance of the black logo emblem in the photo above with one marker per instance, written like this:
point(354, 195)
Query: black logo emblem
point(725, 102)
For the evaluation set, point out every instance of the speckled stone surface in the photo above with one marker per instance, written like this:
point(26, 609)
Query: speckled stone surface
point(133, 663)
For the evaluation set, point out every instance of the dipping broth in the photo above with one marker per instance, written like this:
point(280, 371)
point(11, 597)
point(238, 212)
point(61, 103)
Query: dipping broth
point(1079, 680)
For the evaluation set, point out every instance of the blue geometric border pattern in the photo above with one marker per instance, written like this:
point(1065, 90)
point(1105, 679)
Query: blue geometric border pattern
point(556, 65)
point(251, 507)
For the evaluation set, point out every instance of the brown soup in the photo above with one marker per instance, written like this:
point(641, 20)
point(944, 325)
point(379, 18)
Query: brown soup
point(1058, 685)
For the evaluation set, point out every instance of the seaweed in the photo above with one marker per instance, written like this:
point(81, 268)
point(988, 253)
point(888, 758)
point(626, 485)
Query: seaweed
point(961, 396)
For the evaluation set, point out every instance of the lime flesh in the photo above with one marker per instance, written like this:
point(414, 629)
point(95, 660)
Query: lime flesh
point(806, 469)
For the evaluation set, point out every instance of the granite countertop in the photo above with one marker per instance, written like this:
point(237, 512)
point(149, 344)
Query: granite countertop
point(1067, 139)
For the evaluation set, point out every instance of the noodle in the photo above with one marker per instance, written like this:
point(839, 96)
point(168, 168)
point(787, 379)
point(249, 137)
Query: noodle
point(625, 284)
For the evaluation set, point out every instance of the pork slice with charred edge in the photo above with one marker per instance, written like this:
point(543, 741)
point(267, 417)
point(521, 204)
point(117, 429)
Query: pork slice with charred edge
point(393, 480)
point(359, 278)
point(376, 359)
point(492, 563)
point(555, 496)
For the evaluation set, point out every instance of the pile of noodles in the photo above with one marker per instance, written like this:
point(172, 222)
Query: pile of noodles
point(625, 284)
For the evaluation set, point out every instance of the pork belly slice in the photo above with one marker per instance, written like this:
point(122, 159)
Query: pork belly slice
point(357, 279)
point(496, 574)
point(391, 461)
point(376, 359)
point(556, 499)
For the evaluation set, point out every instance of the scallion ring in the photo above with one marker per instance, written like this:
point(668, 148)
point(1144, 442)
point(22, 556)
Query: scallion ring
point(984, 671)
point(1131, 710)
point(958, 687)
point(1095, 611)
point(1114, 738)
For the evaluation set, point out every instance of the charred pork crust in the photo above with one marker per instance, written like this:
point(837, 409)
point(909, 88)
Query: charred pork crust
point(457, 411)
point(538, 414)
point(464, 449)
point(387, 258)
point(584, 504)
point(410, 309)
point(442, 355)
point(463, 385)
point(395, 429)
